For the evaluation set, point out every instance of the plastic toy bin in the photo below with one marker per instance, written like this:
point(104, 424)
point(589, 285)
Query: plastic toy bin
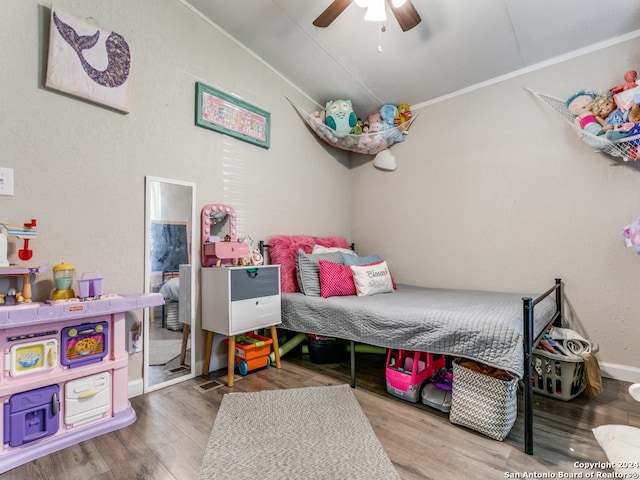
point(252, 351)
point(557, 377)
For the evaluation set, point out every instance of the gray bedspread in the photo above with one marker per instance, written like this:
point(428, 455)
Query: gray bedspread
point(479, 325)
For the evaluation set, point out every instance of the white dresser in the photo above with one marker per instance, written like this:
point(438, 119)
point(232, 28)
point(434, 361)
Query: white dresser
point(236, 300)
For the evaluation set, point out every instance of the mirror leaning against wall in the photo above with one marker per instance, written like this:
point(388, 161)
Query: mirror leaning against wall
point(169, 238)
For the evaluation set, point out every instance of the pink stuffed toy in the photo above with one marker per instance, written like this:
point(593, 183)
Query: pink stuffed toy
point(374, 117)
point(373, 140)
point(630, 79)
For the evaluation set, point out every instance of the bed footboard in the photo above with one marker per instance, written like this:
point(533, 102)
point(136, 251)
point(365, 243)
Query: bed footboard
point(529, 343)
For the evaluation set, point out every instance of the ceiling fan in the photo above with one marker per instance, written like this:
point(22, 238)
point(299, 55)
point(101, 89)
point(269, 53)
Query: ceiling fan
point(404, 11)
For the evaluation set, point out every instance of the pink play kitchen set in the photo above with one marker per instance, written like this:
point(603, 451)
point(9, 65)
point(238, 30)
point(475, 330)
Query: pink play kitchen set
point(63, 362)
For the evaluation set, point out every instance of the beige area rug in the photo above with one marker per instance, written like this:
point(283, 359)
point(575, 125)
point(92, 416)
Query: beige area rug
point(300, 433)
point(161, 351)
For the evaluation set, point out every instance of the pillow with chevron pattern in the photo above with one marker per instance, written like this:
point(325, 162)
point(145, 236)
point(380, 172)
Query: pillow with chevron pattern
point(372, 279)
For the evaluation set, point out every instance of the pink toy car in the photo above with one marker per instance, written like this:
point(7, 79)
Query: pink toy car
point(407, 372)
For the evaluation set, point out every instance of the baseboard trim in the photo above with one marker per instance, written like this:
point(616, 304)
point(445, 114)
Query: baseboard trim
point(624, 373)
point(135, 388)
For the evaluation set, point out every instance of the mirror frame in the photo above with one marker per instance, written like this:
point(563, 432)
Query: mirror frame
point(147, 284)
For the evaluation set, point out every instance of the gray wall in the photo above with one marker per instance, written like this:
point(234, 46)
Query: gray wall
point(495, 191)
point(79, 168)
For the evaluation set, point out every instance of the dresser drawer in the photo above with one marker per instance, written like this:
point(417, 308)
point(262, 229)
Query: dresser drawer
point(254, 313)
point(254, 282)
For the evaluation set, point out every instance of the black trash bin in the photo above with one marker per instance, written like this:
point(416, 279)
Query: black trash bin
point(326, 349)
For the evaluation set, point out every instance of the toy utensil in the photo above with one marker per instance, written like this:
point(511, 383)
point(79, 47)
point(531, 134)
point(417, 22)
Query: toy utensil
point(25, 253)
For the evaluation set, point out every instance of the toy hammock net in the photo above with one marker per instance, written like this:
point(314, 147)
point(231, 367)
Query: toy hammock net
point(365, 143)
point(627, 148)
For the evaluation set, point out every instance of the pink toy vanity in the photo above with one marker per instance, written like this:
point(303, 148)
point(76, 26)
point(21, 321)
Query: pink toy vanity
point(216, 250)
point(64, 374)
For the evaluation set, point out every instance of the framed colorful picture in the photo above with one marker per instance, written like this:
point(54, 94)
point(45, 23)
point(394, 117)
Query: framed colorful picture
point(223, 113)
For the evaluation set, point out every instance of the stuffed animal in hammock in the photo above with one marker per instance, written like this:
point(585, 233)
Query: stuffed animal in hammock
point(403, 116)
point(388, 114)
point(339, 116)
point(630, 81)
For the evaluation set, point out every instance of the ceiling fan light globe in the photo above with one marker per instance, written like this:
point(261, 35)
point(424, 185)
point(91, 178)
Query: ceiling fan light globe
point(362, 3)
point(376, 11)
point(396, 3)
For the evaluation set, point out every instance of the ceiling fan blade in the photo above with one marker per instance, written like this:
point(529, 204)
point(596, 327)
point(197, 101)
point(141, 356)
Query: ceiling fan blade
point(406, 15)
point(331, 13)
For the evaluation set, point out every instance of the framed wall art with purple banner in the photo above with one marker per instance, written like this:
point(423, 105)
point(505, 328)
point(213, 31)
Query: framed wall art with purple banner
point(223, 113)
point(88, 62)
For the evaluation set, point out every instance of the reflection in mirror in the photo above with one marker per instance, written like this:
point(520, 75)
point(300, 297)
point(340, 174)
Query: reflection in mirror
point(169, 237)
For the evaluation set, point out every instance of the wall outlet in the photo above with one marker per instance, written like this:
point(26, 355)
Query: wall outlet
point(6, 181)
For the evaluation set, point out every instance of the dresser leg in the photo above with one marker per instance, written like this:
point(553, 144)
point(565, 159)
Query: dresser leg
point(231, 360)
point(276, 347)
point(207, 354)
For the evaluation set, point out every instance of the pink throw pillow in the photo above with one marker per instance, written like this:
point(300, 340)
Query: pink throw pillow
point(283, 250)
point(336, 280)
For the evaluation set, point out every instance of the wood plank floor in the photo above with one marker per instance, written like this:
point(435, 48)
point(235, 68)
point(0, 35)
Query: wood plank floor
point(168, 440)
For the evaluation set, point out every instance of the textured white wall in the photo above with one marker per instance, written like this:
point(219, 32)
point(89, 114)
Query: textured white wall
point(495, 192)
point(80, 168)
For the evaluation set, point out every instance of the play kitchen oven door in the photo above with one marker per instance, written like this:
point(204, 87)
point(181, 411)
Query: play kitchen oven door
point(84, 344)
point(31, 357)
point(87, 399)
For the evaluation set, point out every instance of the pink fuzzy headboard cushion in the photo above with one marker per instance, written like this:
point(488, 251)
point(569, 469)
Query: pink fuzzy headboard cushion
point(283, 250)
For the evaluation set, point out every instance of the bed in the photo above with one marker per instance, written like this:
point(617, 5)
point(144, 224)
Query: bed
point(170, 290)
point(176, 312)
point(496, 328)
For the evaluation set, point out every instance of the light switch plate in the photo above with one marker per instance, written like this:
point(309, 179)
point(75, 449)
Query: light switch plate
point(6, 181)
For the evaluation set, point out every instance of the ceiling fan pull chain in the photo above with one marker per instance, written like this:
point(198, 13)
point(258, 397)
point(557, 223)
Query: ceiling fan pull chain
point(381, 30)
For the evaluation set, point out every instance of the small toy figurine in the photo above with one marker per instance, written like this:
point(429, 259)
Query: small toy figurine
point(357, 129)
point(630, 79)
point(611, 118)
point(256, 258)
point(606, 112)
point(340, 116)
point(634, 113)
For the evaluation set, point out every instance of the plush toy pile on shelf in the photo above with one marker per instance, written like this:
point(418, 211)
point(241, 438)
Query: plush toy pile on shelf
point(608, 122)
point(338, 125)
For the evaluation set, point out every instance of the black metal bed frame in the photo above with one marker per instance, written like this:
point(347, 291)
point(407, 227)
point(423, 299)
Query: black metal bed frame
point(529, 343)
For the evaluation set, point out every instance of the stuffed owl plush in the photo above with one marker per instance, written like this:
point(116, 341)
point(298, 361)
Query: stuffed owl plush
point(340, 116)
